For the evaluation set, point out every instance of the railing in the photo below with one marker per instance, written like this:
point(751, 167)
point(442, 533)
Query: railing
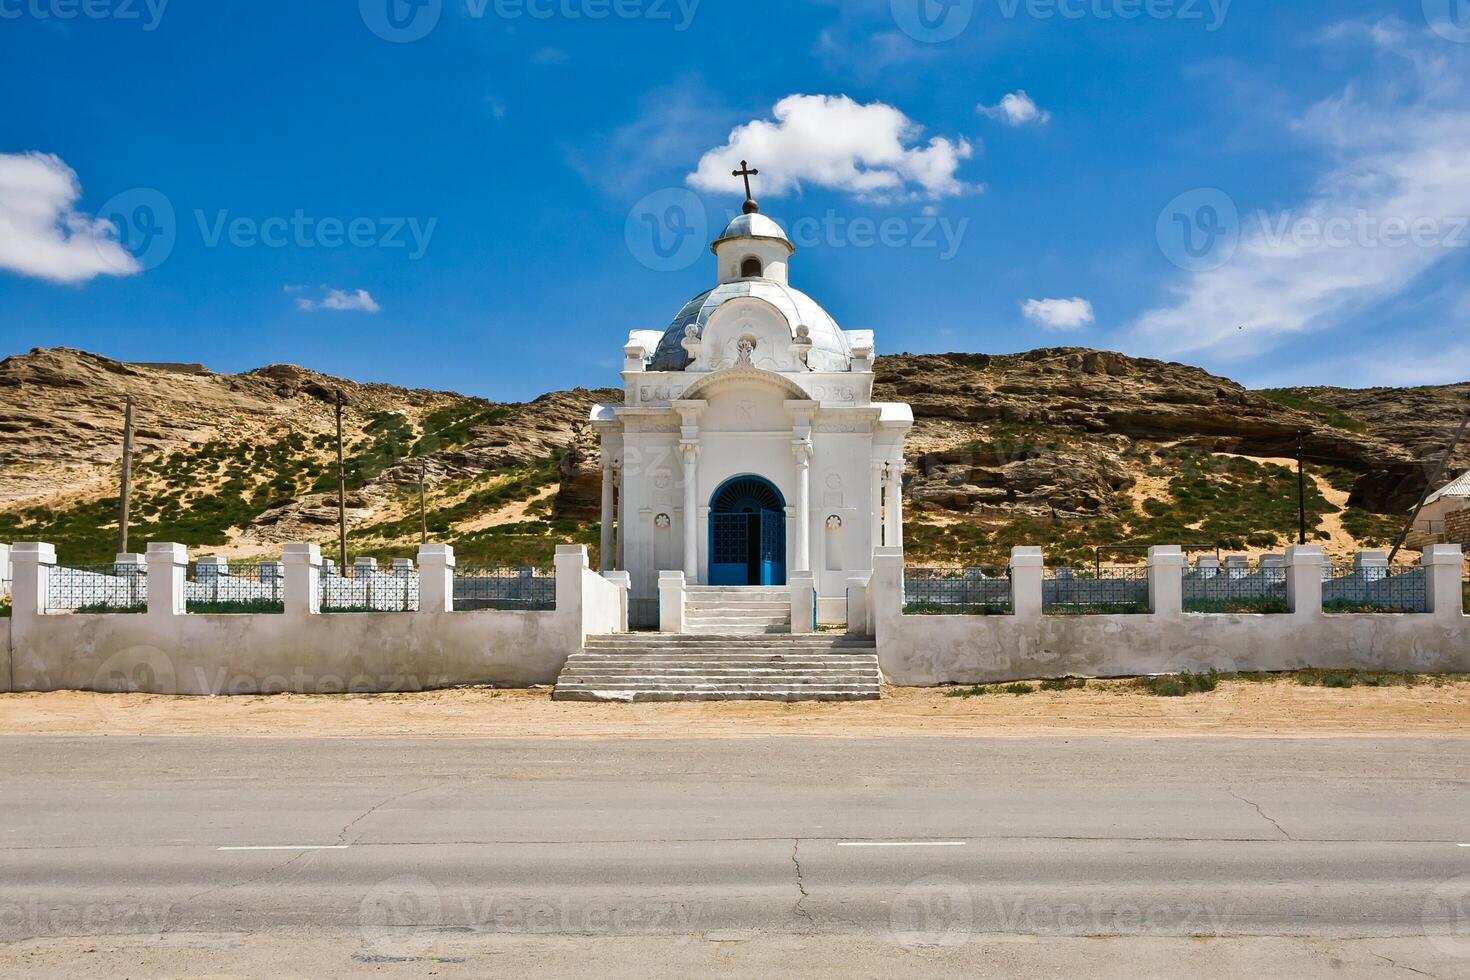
point(359, 589)
point(1242, 588)
point(235, 587)
point(957, 592)
point(112, 588)
point(1376, 589)
point(1094, 592)
point(526, 589)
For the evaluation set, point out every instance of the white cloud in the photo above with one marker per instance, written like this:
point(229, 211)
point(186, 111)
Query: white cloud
point(41, 232)
point(1399, 142)
point(1059, 314)
point(1016, 109)
point(337, 300)
point(869, 151)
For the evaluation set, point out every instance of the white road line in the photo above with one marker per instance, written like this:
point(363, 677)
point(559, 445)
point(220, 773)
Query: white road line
point(901, 843)
point(1462, 845)
point(289, 847)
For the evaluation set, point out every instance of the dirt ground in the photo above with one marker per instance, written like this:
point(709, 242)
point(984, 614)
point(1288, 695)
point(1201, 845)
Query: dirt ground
point(1278, 707)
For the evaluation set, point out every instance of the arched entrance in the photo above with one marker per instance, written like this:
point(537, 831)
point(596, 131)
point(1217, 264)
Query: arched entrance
point(747, 533)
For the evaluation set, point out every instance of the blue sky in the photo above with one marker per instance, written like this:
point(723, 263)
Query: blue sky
point(1275, 191)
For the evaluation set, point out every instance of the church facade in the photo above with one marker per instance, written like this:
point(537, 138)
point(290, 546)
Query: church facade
point(747, 448)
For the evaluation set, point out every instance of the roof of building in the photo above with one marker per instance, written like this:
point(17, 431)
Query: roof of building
point(753, 225)
point(829, 346)
point(1458, 487)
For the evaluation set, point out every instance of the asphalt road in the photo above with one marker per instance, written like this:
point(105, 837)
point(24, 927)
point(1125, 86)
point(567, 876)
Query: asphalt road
point(326, 857)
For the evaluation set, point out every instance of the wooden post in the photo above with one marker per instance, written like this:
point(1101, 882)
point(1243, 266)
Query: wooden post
point(1301, 490)
point(127, 478)
point(341, 494)
point(423, 512)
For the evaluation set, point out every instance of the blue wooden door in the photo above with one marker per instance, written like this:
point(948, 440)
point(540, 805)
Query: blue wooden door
point(773, 550)
point(729, 549)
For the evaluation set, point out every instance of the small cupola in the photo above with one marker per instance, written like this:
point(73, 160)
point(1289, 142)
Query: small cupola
point(752, 246)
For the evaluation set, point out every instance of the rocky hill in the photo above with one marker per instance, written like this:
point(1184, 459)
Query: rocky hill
point(1068, 448)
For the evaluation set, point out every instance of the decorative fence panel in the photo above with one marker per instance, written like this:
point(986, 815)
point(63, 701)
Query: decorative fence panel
point(1373, 589)
point(957, 592)
point(1094, 591)
point(527, 589)
point(235, 587)
point(114, 588)
point(366, 590)
point(1236, 589)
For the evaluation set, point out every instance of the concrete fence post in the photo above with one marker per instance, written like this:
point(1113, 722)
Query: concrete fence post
point(624, 582)
point(885, 592)
point(5, 575)
point(31, 563)
point(1166, 580)
point(859, 611)
point(571, 561)
point(1027, 566)
point(303, 579)
point(671, 601)
point(803, 591)
point(1443, 578)
point(1304, 579)
point(436, 578)
point(168, 565)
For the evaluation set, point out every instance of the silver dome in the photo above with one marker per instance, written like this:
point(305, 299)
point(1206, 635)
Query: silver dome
point(754, 225)
point(829, 345)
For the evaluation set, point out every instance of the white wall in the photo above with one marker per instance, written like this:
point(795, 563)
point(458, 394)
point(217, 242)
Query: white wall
point(166, 651)
point(920, 651)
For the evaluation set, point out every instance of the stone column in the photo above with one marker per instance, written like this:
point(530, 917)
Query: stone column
point(894, 536)
point(876, 503)
point(689, 456)
point(31, 563)
point(803, 602)
point(624, 582)
point(1304, 579)
point(436, 578)
point(303, 579)
point(803, 557)
point(1443, 568)
point(620, 558)
point(1026, 571)
point(859, 619)
point(605, 557)
point(671, 601)
point(167, 565)
point(1166, 580)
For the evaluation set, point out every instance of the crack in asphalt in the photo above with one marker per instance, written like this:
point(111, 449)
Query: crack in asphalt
point(1264, 815)
point(1399, 966)
point(800, 907)
point(342, 834)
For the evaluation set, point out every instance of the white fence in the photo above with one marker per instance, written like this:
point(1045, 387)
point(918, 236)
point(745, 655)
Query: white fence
point(68, 633)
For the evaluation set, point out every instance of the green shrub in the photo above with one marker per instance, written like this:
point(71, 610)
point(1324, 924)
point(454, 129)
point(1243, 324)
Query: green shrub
point(1064, 684)
point(1180, 685)
point(1019, 689)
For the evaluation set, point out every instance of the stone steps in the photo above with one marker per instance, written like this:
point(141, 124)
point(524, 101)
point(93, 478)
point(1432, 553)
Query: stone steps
point(724, 666)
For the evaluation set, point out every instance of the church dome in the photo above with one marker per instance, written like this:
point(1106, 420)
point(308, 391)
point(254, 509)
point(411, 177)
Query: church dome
point(829, 351)
point(753, 225)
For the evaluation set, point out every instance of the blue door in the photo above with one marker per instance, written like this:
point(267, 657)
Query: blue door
point(747, 528)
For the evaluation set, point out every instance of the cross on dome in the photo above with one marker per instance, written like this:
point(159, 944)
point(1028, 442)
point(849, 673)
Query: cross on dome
point(747, 172)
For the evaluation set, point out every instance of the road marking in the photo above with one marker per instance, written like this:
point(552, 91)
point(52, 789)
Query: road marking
point(289, 847)
point(901, 843)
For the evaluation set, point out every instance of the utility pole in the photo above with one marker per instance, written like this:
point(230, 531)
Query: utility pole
point(341, 494)
point(127, 478)
point(423, 513)
point(1301, 490)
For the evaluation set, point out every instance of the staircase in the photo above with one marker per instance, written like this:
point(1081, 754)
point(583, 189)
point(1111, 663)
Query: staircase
point(729, 609)
point(710, 667)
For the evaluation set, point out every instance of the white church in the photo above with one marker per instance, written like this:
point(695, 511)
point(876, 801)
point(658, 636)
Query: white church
point(747, 448)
